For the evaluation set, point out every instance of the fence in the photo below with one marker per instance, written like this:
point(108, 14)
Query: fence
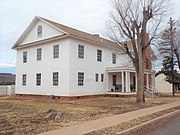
point(7, 90)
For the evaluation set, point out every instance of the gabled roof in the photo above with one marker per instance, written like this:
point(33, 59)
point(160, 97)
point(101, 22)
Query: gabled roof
point(71, 32)
point(80, 34)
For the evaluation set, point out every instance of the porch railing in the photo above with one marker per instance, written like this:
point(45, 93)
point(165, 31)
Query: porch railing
point(153, 92)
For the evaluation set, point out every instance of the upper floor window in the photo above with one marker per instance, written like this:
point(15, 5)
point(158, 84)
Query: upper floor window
point(38, 79)
point(114, 58)
point(24, 79)
point(81, 51)
point(24, 57)
point(56, 51)
point(80, 78)
point(39, 31)
point(99, 55)
point(55, 78)
point(39, 53)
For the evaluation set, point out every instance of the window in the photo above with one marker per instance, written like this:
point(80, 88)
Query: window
point(24, 79)
point(55, 78)
point(99, 55)
point(102, 77)
point(38, 79)
point(56, 51)
point(113, 58)
point(114, 80)
point(97, 77)
point(81, 51)
point(39, 53)
point(24, 57)
point(80, 79)
point(39, 31)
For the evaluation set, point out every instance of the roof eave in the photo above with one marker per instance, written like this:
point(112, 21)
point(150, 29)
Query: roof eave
point(41, 41)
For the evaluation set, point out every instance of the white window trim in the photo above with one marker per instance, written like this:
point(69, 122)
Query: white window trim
point(38, 55)
point(57, 80)
point(100, 55)
point(83, 51)
point(40, 80)
point(83, 79)
point(97, 78)
point(55, 51)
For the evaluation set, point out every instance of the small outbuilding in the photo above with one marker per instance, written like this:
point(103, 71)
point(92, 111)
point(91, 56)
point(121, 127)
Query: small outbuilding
point(163, 86)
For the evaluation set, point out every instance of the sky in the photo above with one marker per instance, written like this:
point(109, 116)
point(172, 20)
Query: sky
point(86, 15)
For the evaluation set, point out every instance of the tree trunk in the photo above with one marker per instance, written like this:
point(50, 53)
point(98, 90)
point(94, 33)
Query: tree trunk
point(140, 88)
point(173, 90)
point(140, 98)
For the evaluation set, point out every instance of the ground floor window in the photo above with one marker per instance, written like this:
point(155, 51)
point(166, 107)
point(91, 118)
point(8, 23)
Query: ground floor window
point(38, 79)
point(80, 79)
point(24, 79)
point(55, 78)
point(102, 77)
point(97, 77)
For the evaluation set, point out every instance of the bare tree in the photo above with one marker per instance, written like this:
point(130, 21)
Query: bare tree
point(131, 20)
point(176, 48)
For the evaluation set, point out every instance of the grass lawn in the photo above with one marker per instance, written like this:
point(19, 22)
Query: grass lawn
point(22, 115)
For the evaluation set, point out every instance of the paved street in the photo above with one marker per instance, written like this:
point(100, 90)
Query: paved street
point(170, 128)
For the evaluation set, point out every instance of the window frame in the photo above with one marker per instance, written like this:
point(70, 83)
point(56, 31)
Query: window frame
point(81, 79)
point(39, 31)
point(25, 57)
point(38, 79)
point(24, 79)
point(99, 55)
point(81, 51)
point(102, 77)
point(55, 51)
point(39, 54)
point(113, 58)
point(97, 77)
point(55, 78)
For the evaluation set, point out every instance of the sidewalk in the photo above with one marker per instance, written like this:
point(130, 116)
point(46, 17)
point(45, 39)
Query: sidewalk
point(94, 125)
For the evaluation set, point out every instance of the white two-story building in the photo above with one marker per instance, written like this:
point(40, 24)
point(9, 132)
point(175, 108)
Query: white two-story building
point(53, 59)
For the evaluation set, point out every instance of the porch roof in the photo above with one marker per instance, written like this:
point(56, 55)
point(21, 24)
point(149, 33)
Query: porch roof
point(130, 69)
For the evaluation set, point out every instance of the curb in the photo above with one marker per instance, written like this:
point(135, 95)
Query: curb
point(125, 132)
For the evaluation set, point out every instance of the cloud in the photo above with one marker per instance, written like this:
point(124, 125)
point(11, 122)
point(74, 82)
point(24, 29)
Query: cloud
point(5, 65)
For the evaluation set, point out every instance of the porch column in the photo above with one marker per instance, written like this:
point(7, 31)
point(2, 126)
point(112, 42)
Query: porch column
point(147, 81)
point(127, 81)
point(153, 82)
point(107, 80)
point(122, 80)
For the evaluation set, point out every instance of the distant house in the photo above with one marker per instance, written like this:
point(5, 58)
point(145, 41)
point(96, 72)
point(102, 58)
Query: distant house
point(53, 59)
point(163, 86)
point(7, 79)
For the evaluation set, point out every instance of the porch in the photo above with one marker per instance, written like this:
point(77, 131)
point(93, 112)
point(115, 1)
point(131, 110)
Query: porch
point(124, 80)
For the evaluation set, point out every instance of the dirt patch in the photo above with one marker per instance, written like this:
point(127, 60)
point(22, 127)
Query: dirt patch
point(22, 116)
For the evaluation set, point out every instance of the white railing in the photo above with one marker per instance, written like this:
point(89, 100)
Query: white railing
point(152, 91)
point(7, 90)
